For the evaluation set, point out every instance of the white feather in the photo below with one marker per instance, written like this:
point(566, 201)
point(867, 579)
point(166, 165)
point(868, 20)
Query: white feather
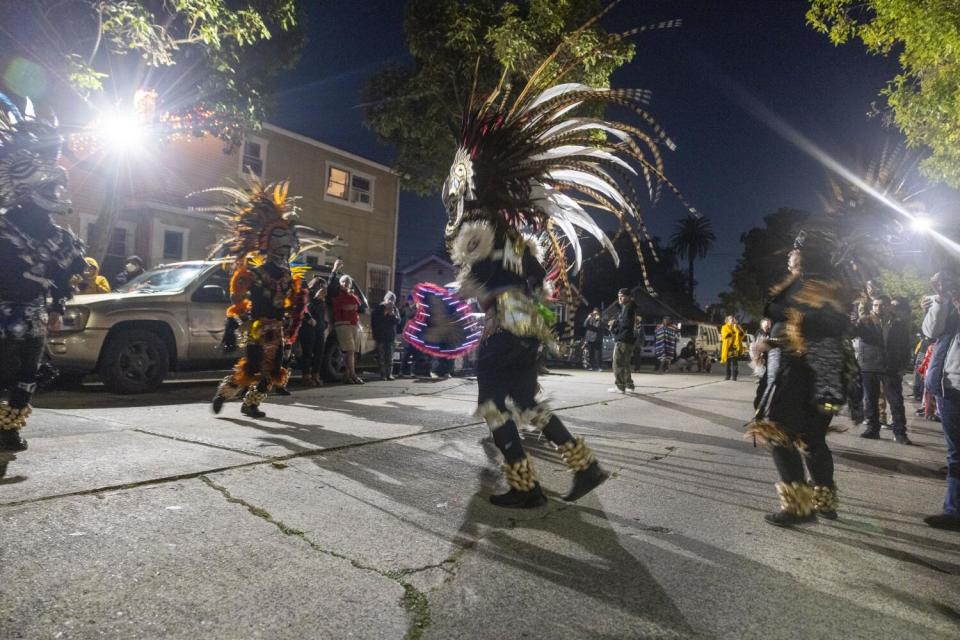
point(592, 182)
point(559, 90)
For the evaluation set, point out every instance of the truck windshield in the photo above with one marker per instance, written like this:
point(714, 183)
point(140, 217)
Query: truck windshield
point(163, 280)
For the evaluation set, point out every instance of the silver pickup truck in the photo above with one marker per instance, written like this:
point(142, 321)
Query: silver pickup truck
point(168, 319)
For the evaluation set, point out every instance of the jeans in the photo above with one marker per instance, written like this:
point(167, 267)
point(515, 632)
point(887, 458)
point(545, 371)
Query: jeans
point(385, 358)
point(892, 384)
point(407, 359)
point(18, 373)
point(595, 354)
point(950, 419)
point(733, 367)
point(622, 365)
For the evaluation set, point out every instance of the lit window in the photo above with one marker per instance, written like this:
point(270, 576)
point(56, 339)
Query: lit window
point(360, 190)
point(337, 183)
point(253, 157)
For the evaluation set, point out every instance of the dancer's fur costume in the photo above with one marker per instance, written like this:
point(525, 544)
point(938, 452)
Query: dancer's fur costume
point(516, 196)
point(267, 295)
point(38, 259)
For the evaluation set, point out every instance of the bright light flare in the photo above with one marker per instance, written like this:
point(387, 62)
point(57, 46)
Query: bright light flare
point(921, 224)
point(122, 132)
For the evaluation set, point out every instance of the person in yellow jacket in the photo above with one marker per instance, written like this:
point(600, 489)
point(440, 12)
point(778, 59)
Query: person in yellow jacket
point(731, 346)
point(91, 281)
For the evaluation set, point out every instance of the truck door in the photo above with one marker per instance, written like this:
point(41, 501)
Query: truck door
point(206, 313)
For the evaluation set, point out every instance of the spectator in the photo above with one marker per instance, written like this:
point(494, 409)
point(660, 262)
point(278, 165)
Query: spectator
point(132, 269)
point(626, 337)
point(410, 354)
point(688, 357)
point(593, 339)
point(91, 281)
point(347, 308)
point(942, 323)
point(665, 348)
point(731, 346)
point(313, 333)
point(760, 346)
point(884, 354)
point(385, 322)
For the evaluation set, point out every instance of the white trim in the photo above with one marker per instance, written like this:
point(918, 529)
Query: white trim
point(156, 242)
point(86, 219)
point(389, 275)
point(263, 142)
point(328, 164)
point(396, 230)
point(266, 126)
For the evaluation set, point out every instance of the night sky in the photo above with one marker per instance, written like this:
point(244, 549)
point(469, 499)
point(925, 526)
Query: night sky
point(730, 166)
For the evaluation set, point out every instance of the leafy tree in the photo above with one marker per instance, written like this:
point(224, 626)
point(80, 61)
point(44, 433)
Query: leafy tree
point(924, 98)
point(418, 108)
point(211, 61)
point(906, 283)
point(692, 238)
point(764, 260)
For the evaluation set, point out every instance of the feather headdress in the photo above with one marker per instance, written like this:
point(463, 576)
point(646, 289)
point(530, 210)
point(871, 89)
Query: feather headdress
point(255, 214)
point(528, 162)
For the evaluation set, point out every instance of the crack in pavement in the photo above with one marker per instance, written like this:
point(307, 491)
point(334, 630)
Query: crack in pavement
point(275, 459)
point(413, 601)
point(181, 437)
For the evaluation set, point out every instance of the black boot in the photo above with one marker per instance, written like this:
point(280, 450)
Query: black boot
point(788, 519)
point(217, 403)
point(585, 481)
point(10, 440)
point(514, 499)
point(252, 411)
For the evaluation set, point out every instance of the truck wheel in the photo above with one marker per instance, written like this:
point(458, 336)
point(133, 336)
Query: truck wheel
point(334, 368)
point(134, 361)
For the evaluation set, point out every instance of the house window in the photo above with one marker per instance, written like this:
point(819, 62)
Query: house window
point(337, 181)
point(254, 156)
point(378, 282)
point(172, 245)
point(360, 190)
point(354, 188)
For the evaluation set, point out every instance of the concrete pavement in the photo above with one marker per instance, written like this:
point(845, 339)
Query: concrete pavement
point(362, 512)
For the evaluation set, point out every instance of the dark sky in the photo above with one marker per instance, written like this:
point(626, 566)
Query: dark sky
point(729, 165)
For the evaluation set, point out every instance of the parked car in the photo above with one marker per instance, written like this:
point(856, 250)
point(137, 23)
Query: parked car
point(706, 337)
point(167, 319)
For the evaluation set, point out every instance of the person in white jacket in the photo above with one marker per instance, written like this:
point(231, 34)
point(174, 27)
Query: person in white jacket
point(942, 323)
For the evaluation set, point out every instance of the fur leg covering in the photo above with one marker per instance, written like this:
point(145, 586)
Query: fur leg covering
point(796, 498)
point(577, 454)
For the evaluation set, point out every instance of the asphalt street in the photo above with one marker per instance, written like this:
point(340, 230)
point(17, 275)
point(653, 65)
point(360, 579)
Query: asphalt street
point(362, 512)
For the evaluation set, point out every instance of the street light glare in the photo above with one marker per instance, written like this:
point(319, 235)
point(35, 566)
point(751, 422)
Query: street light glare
point(921, 224)
point(123, 132)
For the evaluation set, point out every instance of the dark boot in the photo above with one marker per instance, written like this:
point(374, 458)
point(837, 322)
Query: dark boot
point(10, 440)
point(586, 481)
point(252, 411)
point(514, 499)
point(796, 505)
point(587, 472)
point(217, 403)
point(525, 491)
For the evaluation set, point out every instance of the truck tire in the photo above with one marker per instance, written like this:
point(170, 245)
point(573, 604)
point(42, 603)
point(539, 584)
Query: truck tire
point(334, 369)
point(134, 361)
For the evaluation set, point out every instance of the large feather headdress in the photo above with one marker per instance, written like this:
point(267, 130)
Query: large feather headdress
point(254, 214)
point(531, 163)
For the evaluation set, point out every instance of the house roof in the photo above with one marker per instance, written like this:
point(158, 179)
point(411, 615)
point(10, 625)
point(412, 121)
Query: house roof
point(423, 261)
point(321, 145)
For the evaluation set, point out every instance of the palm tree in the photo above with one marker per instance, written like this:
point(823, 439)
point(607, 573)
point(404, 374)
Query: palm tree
point(692, 238)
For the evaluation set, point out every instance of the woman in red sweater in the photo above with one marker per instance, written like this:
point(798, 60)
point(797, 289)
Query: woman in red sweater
point(347, 308)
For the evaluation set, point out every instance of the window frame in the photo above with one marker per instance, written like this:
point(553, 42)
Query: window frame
point(264, 144)
point(156, 245)
point(87, 219)
point(351, 173)
point(370, 267)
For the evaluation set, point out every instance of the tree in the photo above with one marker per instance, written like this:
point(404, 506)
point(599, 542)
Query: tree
point(924, 99)
point(764, 260)
point(692, 238)
point(210, 61)
point(906, 283)
point(459, 48)
point(207, 64)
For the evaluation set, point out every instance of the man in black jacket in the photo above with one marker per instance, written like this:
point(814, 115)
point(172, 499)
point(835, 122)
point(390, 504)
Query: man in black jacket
point(385, 322)
point(884, 355)
point(626, 338)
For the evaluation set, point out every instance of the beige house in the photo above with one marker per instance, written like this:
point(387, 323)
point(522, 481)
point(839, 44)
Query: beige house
point(340, 193)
